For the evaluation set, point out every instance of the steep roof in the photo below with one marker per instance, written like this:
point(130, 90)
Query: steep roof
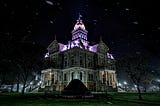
point(76, 87)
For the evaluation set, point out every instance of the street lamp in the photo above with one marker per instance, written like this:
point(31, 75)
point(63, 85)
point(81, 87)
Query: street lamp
point(119, 84)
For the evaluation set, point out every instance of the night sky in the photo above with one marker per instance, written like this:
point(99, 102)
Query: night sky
point(127, 26)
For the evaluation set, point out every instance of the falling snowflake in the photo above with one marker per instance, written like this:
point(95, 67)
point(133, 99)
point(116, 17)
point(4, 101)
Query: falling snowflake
point(36, 13)
point(127, 9)
point(118, 3)
point(137, 52)
point(12, 12)
point(7, 33)
point(49, 2)
point(95, 20)
point(29, 31)
point(5, 4)
point(51, 21)
point(105, 9)
point(135, 22)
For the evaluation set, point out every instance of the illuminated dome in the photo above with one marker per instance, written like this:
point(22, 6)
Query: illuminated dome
point(79, 24)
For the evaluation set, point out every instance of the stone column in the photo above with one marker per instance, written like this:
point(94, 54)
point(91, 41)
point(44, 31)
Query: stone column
point(109, 83)
point(86, 77)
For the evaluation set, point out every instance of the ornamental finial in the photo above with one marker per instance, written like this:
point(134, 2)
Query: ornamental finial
point(55, 38)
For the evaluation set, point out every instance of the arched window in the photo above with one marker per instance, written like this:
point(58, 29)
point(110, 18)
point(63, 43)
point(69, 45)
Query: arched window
point(72, 59)
point(80, 75)
point(81, 59)
point(104, 78)
point(65, 77)
point(52, 78)
point(72, 75)
point(90, 77)
point(65, 61)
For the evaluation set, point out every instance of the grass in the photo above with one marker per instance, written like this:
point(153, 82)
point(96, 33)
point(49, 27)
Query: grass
point(153, 97)
point(119, 99)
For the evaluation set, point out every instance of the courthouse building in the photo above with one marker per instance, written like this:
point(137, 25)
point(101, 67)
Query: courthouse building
point(92, 64)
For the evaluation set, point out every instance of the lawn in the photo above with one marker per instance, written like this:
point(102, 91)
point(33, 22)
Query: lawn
point(119, 99)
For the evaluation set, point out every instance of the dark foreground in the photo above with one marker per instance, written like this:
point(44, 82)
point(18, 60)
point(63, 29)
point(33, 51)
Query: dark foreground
point(117, 99)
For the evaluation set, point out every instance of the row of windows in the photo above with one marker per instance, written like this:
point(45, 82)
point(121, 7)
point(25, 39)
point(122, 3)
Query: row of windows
point(80, 36)
point(90, 77)
point(65, 76)
point(72, 76)
point(111, 78)
point(72, 61)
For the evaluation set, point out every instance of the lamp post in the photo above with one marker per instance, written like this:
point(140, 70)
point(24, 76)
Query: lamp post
point(135, 87)
point(125, 85)
point(158, 80)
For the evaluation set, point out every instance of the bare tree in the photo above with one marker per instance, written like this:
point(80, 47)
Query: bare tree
point(18, 58)
point(137, 69)
point(27, 62)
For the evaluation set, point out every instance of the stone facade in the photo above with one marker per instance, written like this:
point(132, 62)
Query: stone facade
point(93, 65)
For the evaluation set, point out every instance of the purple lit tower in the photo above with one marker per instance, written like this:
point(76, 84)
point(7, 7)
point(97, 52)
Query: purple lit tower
point(92, 64)
point(79, 34)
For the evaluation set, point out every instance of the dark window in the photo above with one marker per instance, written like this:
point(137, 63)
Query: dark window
point(90, 77)
point(65, 77)
point(80, 75)
point(72, 75)
point(81, 61)
point(65, 61)
point(72, 60)
point(52, 78)
point(104, 78)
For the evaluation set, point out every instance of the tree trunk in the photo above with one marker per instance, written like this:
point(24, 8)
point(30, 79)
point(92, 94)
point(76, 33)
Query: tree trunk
point(12, 87)
point(23, 89)
point(17, 87)
point(17, 79)
point(139, 93)
point(145, 89)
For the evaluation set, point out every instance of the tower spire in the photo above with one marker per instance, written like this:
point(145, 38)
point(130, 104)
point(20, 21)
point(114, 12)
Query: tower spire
point(55, 37)
point(79, 16)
